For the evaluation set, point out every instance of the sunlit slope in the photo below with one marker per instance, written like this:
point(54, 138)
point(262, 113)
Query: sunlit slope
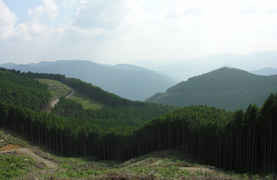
point(58, 89)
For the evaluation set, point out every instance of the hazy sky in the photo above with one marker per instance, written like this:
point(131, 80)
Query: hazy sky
point(127, 31)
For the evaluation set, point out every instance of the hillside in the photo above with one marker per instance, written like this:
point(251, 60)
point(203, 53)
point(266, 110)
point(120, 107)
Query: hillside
point(128, 81)
point(266, 71)
point(225, 88)
point(204, 134)
point(157, 165)
point(124, 129)
point(19, 91)
point(90, 105)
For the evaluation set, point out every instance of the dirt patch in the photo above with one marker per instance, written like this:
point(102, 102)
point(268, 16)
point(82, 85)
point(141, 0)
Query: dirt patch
point(10, 147)
point(55, 101)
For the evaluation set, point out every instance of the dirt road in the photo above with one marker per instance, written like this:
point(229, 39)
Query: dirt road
point(55, 101)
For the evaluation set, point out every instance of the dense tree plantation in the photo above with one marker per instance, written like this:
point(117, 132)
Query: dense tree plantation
point(226, 88)
point(21, 91)
point(86, 89)
point(239, 141)
point(107, 117)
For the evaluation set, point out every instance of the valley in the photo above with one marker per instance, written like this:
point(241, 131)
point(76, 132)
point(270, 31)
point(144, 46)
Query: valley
point(138, 90)
point(94, 134)
point(125, 80)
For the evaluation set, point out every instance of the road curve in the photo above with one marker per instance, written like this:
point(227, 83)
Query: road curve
point(55, 101)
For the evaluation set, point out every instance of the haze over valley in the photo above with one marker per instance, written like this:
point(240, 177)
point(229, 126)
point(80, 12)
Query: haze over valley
point(128, 81)
point(137, 89)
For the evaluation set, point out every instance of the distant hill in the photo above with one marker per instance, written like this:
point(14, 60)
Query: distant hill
point(266, 71)
point(193, 67)
point(226, 88)
point(128, 81)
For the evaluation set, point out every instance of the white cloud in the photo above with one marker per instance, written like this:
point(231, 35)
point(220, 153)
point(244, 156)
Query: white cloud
point(49, 8)
point(143, 29)
point(105, 14)
point(7, 20)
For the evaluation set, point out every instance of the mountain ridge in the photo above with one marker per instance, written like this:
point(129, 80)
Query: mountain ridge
point(267, 71)
point(185, 68)
point(227, 88)
point(128, 81)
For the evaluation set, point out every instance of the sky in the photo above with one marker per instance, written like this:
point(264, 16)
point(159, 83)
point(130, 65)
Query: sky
point(128, 31)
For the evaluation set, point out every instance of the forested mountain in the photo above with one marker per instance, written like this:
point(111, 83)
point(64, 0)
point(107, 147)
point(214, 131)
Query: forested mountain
point(23, 92)
point(240, 141)
point(128, 81)
point(266, 71)
point(225, 88)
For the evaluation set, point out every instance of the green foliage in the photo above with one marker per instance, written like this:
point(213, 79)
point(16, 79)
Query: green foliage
point(154, 165)
point(13, 166)
point(239, 141)
point(86, 102)
point(107, 117)
point(225, 88)
point(20, 91)
point(56, 88)
point(8, 137)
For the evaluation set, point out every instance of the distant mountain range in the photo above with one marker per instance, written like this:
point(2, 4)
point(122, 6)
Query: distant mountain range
point(128, 81)
point(226, 88)
point(193, 67)
point(265, 71)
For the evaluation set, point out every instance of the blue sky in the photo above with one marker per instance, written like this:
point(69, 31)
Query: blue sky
point(21, 9)
point(127, 31)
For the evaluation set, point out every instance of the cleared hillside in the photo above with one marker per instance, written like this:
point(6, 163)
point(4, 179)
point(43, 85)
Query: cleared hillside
point(167, 164)
point(58, 90)
point(225, 88)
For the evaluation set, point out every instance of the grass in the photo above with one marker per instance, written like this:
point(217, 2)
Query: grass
point(13, 166)
point(86, 102)
point(56, 88)
point(167, 164)
point(7, 137)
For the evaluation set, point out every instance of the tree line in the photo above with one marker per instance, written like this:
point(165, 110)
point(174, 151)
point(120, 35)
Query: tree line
point(239, 141)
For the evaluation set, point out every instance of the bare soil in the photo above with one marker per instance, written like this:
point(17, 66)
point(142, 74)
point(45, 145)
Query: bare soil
point(53, 102)
point(10, 147)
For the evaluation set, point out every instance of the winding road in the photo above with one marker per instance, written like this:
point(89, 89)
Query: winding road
point(55, 101)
